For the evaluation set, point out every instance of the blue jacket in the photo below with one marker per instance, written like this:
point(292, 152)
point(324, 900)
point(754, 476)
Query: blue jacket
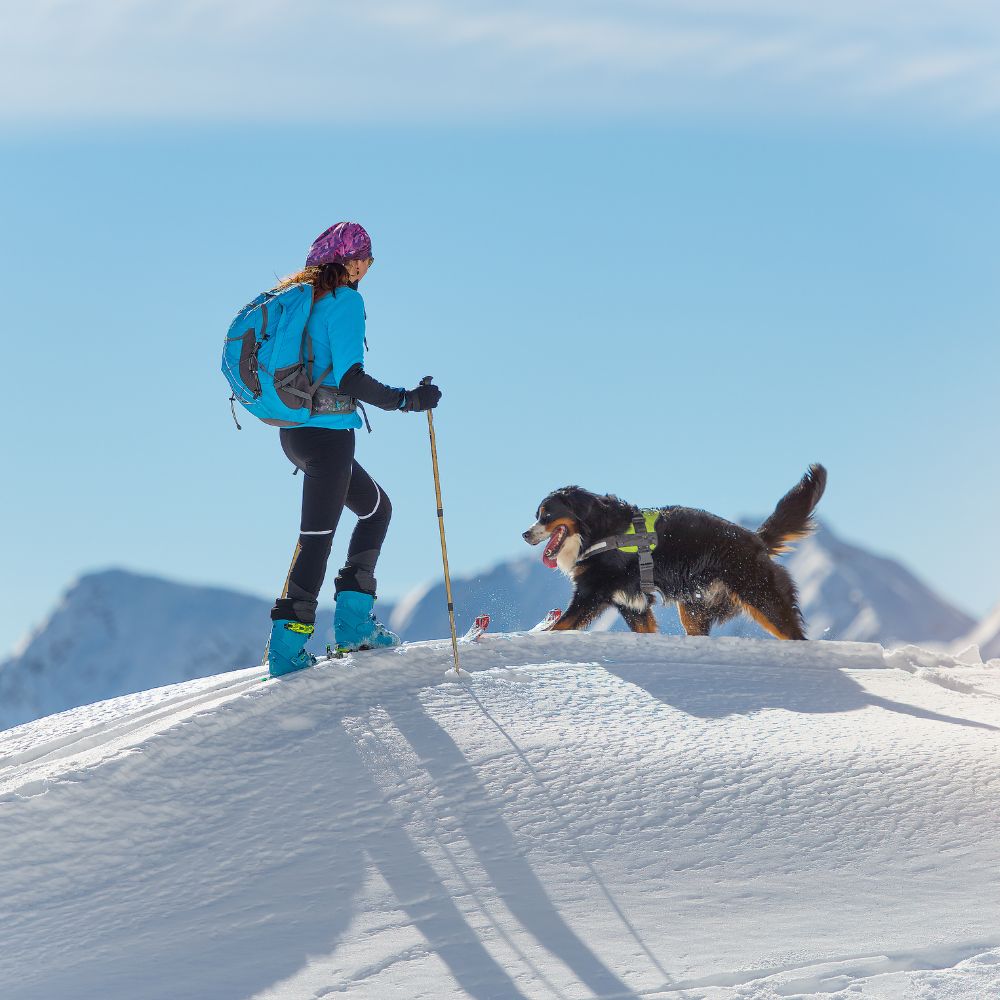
point(337, 327)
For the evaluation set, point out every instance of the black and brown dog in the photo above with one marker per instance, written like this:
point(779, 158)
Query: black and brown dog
point(712, 568)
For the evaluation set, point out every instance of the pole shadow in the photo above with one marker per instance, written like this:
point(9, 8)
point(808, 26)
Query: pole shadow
point(494, 844)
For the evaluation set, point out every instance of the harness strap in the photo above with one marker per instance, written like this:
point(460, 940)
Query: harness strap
point(641, 539)
point(645, 554)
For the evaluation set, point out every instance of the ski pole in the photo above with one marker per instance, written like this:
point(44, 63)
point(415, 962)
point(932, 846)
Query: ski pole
point(426, 380)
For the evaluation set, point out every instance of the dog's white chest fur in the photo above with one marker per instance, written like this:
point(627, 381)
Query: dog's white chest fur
point(568, 554)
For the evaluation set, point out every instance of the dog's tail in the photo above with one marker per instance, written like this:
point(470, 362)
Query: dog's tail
point(792, 518)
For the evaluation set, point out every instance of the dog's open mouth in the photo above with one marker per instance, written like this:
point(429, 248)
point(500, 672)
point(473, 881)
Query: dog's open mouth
point(555, 543)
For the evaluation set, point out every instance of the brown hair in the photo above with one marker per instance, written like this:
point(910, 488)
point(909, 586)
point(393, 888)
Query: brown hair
point(323, 277)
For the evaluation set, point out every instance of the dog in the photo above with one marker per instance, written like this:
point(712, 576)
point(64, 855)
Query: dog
point(713, 569)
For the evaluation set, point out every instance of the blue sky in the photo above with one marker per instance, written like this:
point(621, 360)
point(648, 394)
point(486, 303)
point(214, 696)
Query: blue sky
point(674, 252)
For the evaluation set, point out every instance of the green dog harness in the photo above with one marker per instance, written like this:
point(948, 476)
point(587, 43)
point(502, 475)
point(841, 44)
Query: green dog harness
point(639, 537)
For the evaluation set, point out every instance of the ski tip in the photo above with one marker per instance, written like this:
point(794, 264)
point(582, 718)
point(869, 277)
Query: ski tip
point(548, 621)
point(476, 630)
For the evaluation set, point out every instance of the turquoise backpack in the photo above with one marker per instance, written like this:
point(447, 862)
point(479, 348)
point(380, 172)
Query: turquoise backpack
point(267, 359)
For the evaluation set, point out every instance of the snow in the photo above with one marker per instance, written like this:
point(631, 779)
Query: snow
point(986, 635)
point(584, 815)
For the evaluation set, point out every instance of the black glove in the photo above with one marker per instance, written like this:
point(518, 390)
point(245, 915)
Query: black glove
point(424, 397)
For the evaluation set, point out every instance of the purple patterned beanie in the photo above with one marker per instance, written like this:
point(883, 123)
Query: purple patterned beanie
point(342, 242)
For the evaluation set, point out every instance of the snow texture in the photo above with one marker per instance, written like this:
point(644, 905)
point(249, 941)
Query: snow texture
point(585, 815)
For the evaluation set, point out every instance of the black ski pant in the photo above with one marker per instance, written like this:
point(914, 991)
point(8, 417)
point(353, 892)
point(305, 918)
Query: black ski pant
point(331, 481)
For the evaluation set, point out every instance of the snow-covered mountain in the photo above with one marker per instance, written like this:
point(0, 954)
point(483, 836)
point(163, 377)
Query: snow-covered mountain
point(515, 593)
point(850, 593)
point(580, 816)
point(117, 632)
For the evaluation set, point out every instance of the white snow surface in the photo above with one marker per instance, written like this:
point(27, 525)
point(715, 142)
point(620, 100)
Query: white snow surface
point(583, 815)
point(986, 635)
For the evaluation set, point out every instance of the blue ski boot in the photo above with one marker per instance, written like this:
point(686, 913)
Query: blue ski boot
point(286, 652)
point(356, 626)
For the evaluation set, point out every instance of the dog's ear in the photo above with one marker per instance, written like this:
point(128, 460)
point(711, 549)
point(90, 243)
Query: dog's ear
point(586, 504)
point(571, 498)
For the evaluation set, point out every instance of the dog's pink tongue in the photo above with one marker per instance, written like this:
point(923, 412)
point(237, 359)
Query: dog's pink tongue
point(552, 546)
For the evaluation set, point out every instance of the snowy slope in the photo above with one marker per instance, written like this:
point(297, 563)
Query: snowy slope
point(106, 637)
point(585, 815)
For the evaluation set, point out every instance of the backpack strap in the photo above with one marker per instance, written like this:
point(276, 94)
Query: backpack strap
point(308, 361)
point(315, 395)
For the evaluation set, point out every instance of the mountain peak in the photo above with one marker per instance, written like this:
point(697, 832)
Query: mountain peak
point(115, 631)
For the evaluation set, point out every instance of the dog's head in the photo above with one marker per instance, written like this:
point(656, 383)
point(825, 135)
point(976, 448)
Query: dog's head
point(562, 518)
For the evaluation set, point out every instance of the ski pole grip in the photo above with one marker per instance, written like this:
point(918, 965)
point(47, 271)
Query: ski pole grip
point(427, 379)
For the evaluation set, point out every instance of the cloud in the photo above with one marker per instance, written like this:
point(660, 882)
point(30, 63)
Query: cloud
point(442, 60)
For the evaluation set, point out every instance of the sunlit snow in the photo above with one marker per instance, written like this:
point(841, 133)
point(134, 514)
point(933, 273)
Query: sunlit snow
point(599, 815)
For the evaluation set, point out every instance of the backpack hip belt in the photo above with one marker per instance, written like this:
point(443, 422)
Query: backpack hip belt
point(329, 400)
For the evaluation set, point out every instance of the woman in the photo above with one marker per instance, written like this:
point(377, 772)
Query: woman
point(323, 449)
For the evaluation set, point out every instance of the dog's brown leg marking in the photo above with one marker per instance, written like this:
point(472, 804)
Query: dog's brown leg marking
point(640, 621)
point(569, 622)
point(563, 624)
point(693, 623)
point(577, 619)
point(647, 622)
point(761, 619)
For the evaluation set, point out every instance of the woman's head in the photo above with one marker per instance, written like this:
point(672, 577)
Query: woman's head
point(340, 244)
point(341, 255)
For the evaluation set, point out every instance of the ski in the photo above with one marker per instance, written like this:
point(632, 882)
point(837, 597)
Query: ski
point(548, 621)
point(476, 630)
